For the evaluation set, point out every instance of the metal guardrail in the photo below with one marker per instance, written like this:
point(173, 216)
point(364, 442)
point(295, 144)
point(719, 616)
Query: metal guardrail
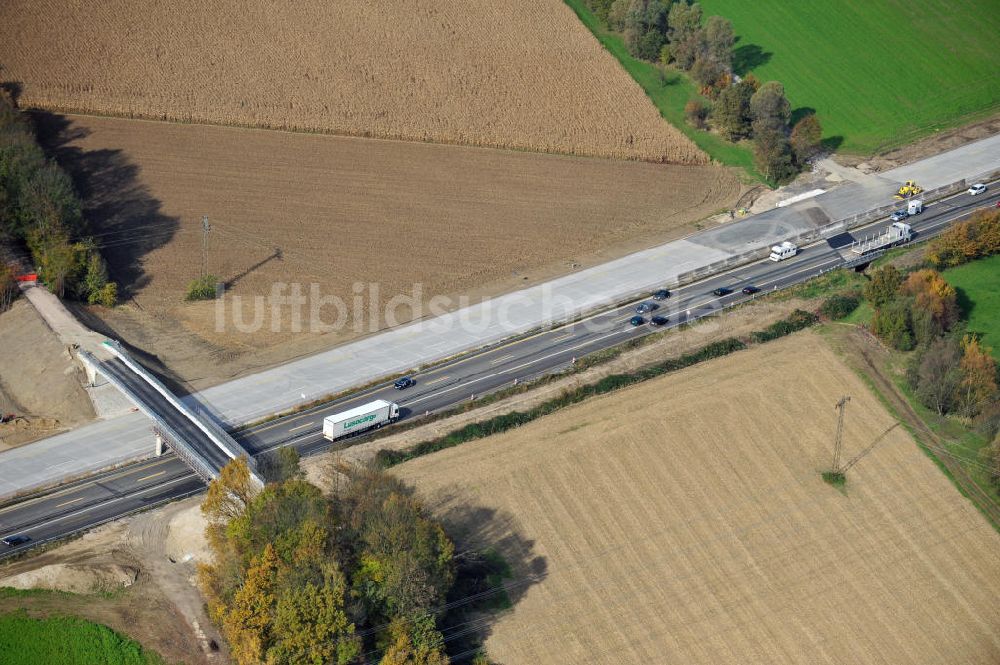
point(211, 429)
point(177, 442)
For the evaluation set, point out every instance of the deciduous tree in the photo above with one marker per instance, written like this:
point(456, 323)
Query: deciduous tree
point(230, 493)
point(731, 110)
point(806, 139)
point(883, 287)
point(773, 155)
point(770, 109)
point(979, 376)
point(939, 375)
point(720, 38)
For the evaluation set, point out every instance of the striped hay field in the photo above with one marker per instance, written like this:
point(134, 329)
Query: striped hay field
point(684, 521)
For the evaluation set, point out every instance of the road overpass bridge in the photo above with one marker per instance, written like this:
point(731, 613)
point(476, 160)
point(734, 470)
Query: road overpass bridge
point(195, 437)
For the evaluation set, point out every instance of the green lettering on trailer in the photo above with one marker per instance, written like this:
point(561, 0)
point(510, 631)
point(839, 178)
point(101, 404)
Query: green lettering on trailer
point(362, 419)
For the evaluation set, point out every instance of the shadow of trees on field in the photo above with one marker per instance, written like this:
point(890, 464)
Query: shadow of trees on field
point(749, 56)
point(799, 113)
point(124, 219)
point(496, 566)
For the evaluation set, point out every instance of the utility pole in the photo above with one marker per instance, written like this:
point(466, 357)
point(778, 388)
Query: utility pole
point(205, 228)
point(839, 441)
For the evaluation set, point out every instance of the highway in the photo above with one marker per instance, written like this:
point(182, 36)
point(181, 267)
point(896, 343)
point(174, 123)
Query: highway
point(106, 496)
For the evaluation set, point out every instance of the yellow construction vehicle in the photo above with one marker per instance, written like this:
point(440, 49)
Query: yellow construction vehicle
point(909, 189)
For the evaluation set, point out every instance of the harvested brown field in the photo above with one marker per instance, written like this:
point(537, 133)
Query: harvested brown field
point(339, 211)
point(684, 521)
point(524, 75)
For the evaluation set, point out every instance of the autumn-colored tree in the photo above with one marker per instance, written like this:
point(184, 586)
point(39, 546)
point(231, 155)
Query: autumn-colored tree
point(414, 641)
point(247, 619)
point(934, 297)
point(695, 111)
point(974, 238)
point(230, 493)
point(979, 376)
point(807, 137)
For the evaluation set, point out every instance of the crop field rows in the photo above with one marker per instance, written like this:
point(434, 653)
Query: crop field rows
point(497, 74)
point(684, 520)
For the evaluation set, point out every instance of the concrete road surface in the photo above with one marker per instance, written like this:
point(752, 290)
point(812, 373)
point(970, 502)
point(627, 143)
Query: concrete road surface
point(400, 349)
point(85, 503)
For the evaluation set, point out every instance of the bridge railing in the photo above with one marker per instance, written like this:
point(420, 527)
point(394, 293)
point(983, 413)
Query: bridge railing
point(177, 443)
point(203, 422)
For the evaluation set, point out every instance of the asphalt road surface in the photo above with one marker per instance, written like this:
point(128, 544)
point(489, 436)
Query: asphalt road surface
point(83, 504)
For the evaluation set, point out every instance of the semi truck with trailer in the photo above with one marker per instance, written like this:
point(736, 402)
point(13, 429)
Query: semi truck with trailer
point(360, 418)
point(897, 233)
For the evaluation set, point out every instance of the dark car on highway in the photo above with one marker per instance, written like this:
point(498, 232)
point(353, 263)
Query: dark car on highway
point(645, 307)
point(404, 383)
point(721, 291)
point(637, 321)
point(750, 290)
point(898, 215)
point(662, 294)
point(14, 541)
point(659, 321)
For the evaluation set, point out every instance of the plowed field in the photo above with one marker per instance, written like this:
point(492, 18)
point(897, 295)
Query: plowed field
point(498, 73)
point(339, 211)
point(684, 521)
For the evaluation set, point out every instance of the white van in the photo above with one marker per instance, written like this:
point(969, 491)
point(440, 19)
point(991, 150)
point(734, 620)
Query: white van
point(783, 251)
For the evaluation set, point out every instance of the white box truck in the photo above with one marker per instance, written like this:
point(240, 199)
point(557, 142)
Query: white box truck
point(897, 233)
point(783, 251)
point(914, 207)
point(360, 418)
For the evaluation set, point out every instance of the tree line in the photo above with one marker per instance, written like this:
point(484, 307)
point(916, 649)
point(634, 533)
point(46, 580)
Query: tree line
point(950, 371)
point(302, 578)
point(40, 209)
point(674, 33)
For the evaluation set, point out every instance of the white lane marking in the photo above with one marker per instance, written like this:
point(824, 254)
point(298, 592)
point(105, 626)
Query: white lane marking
point(521, 366)
point(302, 426)
point(78, 513)
point(431, 383)
point(502, 359)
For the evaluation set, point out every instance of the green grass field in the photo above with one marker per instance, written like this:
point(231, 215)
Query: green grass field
point(978, 284)
point(65, 640)
point(878, 73)
point(669, 92)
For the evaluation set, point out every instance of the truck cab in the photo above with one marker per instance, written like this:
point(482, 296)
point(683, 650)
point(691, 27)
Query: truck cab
point(783, 251)
point(914, 206)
